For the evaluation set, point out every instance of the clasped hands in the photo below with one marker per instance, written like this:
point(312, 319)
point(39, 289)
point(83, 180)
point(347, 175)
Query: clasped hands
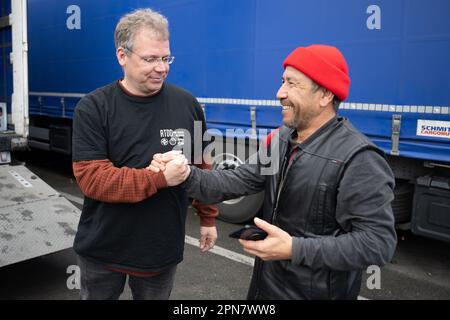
point(173, 165)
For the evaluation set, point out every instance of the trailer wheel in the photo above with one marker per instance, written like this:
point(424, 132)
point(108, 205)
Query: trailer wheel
point(241, 209)
point(402, 203)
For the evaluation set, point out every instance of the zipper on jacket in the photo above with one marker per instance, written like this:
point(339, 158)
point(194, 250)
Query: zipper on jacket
point(288, 161)
point(280, 187)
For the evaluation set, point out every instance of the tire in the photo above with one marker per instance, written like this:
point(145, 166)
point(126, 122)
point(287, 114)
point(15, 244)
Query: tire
point(241, 209)
point(402, 203)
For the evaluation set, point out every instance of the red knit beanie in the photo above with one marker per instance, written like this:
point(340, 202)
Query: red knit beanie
point(323, 64)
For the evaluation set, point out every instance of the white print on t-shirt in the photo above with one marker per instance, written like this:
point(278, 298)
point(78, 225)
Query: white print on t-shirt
point(172, 137)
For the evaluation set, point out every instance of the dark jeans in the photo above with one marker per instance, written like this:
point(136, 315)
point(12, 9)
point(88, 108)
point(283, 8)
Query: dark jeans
point(100, 283)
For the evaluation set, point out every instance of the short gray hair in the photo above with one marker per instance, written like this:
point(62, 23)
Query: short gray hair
point(131, 23)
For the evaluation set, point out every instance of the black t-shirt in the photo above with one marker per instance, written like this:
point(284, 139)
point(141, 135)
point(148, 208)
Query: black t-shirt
point(128, 130)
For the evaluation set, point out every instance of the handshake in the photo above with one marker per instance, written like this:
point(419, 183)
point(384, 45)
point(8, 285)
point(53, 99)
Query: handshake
point(173, 165)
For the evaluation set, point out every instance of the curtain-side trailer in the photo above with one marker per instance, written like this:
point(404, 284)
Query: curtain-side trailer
point(229, 55)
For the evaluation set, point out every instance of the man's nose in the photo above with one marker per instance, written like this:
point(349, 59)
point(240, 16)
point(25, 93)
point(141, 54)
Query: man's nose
point(161, 66)
point(281, 93)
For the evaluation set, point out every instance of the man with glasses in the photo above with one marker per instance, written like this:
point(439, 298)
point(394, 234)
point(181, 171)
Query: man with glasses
point(132, 222)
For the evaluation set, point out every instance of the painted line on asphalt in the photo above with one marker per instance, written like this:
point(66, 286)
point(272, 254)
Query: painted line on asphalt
point(224, 252)
point(194, 242)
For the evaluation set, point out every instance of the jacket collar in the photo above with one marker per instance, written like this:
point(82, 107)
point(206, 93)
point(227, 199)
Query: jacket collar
point(319, 132)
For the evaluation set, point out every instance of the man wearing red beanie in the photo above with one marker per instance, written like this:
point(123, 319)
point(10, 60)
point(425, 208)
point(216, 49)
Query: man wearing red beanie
point(327, 211)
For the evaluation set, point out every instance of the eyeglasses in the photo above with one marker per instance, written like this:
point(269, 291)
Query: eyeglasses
point(154, 60)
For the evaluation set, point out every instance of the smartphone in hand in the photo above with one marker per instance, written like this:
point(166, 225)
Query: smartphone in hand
point(249, 232)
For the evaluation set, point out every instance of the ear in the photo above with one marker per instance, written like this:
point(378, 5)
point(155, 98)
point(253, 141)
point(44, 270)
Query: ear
point(121, 56)
point(326, 98)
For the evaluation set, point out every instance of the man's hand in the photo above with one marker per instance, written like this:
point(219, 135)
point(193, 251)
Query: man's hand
point(160, 160)
point(277, 245)
point(208, 237)
point(176, 170)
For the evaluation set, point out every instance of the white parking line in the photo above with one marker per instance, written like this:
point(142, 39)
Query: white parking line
point(194, 242)
point(224, 252)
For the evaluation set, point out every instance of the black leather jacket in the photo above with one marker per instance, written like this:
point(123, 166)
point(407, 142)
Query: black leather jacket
point(333, 197)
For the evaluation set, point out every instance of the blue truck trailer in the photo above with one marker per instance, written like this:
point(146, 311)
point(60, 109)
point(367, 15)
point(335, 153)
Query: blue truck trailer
point(229, 54)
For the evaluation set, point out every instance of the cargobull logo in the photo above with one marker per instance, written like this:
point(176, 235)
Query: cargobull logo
point(436, 129)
